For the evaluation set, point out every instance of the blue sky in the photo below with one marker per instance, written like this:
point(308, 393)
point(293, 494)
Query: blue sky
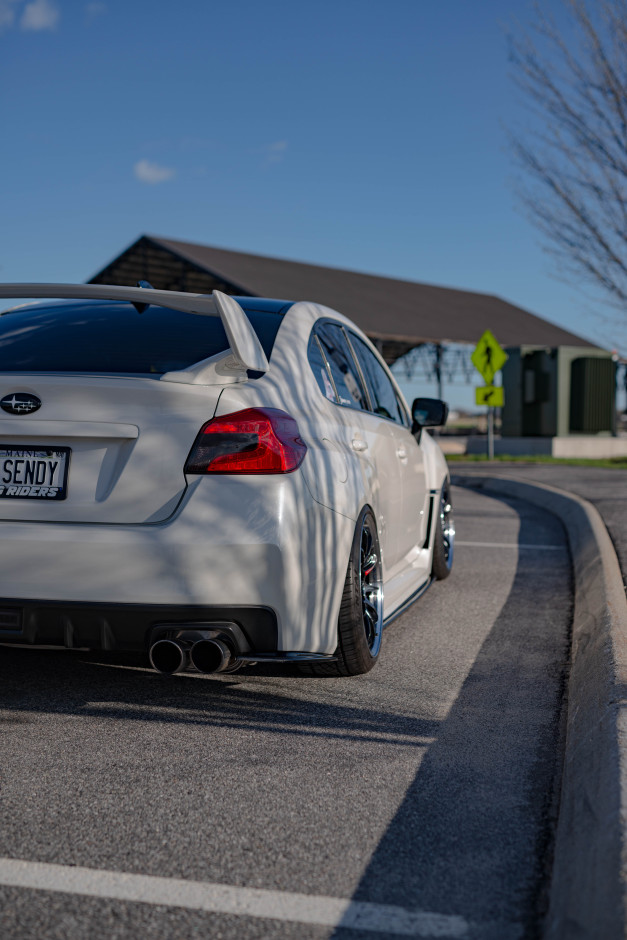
point(357, 133)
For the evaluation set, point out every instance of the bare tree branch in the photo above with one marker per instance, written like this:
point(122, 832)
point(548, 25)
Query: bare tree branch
point(574, 161)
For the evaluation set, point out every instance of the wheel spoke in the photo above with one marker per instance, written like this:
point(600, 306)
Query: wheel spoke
point(370, 624)
point(369, 564)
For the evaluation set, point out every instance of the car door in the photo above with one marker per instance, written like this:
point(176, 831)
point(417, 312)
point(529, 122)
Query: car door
point(368, 440)
point(411, 500)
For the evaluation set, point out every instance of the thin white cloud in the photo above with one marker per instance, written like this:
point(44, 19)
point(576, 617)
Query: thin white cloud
point(40, 15)
point(8, 10)
point(276, 151)
point(152, 173)
point(96, 9)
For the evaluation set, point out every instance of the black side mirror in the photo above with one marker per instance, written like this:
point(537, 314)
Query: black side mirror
point(428, 413)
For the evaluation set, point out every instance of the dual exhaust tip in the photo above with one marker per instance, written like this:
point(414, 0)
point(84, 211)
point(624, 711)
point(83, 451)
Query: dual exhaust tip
point(172, 656)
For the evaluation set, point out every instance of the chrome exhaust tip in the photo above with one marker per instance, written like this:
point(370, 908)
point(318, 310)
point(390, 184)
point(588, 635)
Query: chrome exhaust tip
point(168, 657)
point(211, 656)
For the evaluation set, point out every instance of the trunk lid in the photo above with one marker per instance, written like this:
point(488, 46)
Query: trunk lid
point(124, 441)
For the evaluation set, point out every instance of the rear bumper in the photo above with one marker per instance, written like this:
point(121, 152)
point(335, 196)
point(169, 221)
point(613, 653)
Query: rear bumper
point(235, 543)
point(132, 626)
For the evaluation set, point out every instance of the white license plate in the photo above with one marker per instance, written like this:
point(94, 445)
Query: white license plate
point(34, 472)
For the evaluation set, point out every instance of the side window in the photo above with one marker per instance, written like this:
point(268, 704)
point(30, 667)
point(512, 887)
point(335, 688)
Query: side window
point(346, 378)
point(380, 388)
point(404, 410)
point(320, 368)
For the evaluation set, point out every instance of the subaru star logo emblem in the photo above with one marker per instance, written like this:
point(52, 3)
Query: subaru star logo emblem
point(19, 403)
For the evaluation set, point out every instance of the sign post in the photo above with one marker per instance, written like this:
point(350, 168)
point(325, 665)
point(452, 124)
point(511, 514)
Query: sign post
point(488, 358)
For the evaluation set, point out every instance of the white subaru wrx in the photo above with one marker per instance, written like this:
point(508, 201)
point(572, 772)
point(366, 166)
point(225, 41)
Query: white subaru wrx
point(214, 480)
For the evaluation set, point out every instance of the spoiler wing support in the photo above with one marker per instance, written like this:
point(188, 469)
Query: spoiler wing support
point(242, 338)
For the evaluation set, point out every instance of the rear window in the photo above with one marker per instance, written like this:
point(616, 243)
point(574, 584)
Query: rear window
point(104, 337)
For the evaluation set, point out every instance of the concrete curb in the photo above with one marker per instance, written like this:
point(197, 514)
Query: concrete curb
point(588, 893)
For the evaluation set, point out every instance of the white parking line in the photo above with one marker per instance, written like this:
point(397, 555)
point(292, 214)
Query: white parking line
point(539, 548)
point(229, 899)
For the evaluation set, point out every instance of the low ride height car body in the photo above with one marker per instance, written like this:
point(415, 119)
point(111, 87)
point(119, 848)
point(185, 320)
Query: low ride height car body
point(214, 480)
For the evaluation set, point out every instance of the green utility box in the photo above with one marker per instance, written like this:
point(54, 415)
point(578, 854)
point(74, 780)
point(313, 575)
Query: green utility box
point(557, 392)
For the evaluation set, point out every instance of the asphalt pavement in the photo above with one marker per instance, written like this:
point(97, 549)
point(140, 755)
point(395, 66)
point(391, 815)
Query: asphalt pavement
point(604, 487)
point(416, 800)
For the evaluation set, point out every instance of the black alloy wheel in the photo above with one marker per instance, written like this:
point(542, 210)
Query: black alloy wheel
point(360, 623)
point(370, 582)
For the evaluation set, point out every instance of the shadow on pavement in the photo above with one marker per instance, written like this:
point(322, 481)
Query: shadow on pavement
point(473, 835)
point(111, 686)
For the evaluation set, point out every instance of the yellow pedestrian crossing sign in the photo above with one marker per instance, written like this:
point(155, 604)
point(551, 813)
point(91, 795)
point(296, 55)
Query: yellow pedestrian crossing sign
point(491, 395)
point(488, 357)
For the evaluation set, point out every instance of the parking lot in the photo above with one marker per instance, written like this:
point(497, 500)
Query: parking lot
point(421, 794)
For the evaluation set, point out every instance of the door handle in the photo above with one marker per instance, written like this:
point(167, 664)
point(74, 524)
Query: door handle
point(402, 453)
point(359, 445)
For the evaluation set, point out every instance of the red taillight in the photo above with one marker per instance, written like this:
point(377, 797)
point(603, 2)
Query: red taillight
point(257, 440)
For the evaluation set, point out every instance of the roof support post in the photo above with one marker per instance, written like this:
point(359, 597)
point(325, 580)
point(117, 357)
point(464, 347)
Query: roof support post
point(438, 367)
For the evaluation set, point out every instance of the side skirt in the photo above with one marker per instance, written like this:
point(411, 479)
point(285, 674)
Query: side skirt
point(288, 657)
point(408, 603)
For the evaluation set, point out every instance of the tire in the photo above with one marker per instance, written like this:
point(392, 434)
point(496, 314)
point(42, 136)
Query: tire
point(444, 536)
point(360, 622)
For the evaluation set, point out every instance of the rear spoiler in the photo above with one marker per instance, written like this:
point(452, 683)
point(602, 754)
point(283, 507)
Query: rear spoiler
point(242, 338)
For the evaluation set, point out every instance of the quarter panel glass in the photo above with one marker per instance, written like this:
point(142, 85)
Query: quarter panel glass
point(319, 368)
point(345, 375)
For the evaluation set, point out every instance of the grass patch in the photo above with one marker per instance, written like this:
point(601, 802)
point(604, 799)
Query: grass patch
point(617, 463)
